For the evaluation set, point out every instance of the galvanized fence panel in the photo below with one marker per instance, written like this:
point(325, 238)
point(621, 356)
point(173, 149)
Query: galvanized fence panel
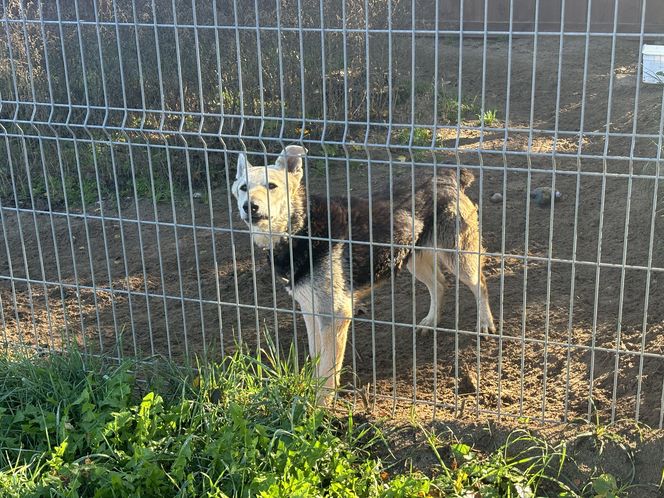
point(122, 123)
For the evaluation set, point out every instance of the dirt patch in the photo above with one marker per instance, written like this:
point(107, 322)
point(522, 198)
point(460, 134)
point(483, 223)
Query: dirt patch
point(626, 451)
point(577, 335)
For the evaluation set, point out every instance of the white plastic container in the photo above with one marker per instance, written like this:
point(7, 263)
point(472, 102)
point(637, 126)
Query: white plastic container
point(653, 64)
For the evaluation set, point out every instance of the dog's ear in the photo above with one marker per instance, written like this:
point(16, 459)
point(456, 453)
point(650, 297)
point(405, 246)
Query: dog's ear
point(291, 159)
point(241, 166)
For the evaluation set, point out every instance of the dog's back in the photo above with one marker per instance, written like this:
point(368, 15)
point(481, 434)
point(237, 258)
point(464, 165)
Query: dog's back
point(379, 234)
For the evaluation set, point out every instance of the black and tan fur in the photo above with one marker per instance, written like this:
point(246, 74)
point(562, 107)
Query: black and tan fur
point(328, 274)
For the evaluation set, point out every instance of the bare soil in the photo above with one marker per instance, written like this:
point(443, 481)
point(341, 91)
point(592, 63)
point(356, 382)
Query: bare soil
point(578, 329)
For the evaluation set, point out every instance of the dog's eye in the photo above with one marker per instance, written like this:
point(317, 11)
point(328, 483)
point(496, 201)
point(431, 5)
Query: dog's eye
point(243, 188)
point(272, 186)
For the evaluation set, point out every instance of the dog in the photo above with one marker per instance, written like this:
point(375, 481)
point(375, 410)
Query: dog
point(330, 256)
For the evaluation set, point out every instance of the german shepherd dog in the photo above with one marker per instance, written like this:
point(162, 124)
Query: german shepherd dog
point(330, 256)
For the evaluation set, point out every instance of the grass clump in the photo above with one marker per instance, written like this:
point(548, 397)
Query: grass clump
point(419, 136)
point(521, 467)
point(244, 427)
point(489, 117)
point(248, 426)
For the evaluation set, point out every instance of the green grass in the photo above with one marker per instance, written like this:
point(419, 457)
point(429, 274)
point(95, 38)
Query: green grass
point(249, 426)
point(448, 105)
point(241, 428)
point(421, 137)
point(490, 117)
point(81, 175)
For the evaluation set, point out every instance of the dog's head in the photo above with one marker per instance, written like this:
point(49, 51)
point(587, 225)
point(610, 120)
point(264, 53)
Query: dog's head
point(266, 196)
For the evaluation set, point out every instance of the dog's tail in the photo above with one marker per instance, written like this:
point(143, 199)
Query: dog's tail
point(466, 178)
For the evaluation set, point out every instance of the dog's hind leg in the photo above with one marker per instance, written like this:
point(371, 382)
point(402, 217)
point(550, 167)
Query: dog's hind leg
point(470, 273)
point(422, 265)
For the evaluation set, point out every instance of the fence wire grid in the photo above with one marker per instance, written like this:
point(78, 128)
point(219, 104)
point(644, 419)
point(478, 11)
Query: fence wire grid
point(122, 121)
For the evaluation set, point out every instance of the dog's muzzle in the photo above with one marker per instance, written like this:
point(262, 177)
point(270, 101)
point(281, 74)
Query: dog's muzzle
point(254, 208)
point(250, 213)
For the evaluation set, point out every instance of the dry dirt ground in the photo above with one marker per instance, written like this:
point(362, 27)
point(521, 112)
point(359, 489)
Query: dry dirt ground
point(565, 334)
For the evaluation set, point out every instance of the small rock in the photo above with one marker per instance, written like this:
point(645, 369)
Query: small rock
point(497, 197)
point(542, 196)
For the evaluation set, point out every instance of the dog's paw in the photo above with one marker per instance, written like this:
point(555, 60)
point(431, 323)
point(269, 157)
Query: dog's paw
point(487, 327)
point(427, 325)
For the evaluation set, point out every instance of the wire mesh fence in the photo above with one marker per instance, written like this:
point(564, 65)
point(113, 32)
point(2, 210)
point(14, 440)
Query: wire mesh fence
point(123, 122)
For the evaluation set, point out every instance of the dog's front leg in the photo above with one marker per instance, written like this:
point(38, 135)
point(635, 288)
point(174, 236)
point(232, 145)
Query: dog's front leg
point(314, 337)
point(332, 337)
point(313, 333)
point(327, 333)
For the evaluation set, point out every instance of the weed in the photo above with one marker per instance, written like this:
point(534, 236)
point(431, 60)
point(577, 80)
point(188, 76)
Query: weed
point(605, 486)
point(402, 136)
point(602, 436)
point(518, 468)
point(143, 187)
point(448, 106)
point(160, 192)
point(489, 117)
point(421, 137)
point(331, 150)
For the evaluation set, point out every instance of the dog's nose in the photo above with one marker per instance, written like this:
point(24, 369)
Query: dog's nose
point(254, 208)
